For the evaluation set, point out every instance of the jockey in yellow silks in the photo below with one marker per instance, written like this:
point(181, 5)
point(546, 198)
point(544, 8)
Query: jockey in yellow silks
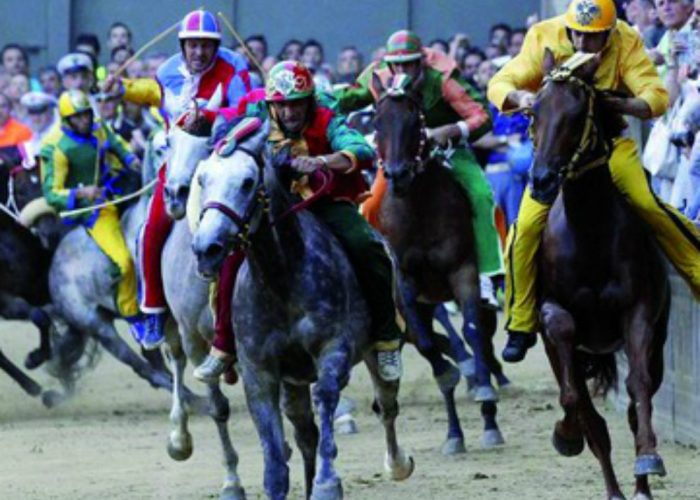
point(588, 26)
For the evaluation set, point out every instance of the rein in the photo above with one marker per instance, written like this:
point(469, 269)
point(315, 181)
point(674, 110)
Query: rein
point(10, 206)
point(262, 197)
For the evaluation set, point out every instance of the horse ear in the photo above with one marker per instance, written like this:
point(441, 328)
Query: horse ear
point(548, 62)
point(216, 99)
point(377, 84)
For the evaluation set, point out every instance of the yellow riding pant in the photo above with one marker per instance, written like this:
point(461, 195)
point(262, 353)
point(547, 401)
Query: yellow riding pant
point(107, 233)
point(676, 235)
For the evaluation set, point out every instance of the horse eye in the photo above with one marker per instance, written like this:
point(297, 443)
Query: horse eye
point(248, 184)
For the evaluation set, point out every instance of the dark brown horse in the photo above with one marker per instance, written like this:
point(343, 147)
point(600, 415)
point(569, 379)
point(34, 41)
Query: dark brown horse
point(603, 284)
point(426, 218)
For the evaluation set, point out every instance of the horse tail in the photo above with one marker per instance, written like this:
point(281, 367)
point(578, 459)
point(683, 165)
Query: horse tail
point(602, 369)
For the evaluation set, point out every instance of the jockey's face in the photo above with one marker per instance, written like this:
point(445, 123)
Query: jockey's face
point(589, 42)
point(199, 53)
point(81, 123)
point(292, 114)
point(414, 69)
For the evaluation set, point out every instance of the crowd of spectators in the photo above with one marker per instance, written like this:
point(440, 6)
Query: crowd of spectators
point(669, 29)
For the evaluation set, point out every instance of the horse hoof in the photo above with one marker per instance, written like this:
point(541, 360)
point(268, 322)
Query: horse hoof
point(232, 490)
point(492, 438)
point(649, 464)
point(485, 393)
point(641, 496)
point(180, 446)
point(36, 358)
point(345, 425)
point(51, 399)
point(399, 468)
point(448, 380)
point(567, 447)
point(453, 446)
point(330, 490)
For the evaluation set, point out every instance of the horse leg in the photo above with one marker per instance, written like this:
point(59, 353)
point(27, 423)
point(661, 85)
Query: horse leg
point(447, 379)
point(220, 412)
point(463, 358)
point(559, 336)
point(597, 437)
point(397, 463)
point(109, 339)
point(262, 390)
point(489, 324)
point(333, 374)
point(464, 283)
point(12, 307)
point(296, 404)
point(645, 356)
point(28, 385)
point(180, 439)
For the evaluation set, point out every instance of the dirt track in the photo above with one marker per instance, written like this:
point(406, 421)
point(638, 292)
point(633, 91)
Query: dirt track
point(109, 442)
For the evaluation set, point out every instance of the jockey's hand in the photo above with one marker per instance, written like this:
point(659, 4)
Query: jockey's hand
point(441, 135)
point(90, 193)
point(307, 164)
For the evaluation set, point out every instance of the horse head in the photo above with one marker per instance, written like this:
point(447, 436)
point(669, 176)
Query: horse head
point(400, 131)
point(189, 143)
point(570, 135)
point(233, 195)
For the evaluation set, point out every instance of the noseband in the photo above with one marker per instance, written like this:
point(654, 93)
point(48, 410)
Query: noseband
point(575, 168)
point(243, 221)
point(394, 93)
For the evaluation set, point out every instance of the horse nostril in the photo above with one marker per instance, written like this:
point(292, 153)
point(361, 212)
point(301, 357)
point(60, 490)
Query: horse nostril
point(183, 192)
point(213, 251)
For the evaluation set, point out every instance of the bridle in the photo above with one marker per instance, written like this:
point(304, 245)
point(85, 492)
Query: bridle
point(590, 137)
point(262, 199)
point(394, 93)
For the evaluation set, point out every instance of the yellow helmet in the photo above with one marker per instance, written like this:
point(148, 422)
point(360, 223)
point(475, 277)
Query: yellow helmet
point(73, 102)
point(591, 16)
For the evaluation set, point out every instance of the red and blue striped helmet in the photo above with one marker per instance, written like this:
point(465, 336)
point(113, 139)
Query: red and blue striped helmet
point(199, 24)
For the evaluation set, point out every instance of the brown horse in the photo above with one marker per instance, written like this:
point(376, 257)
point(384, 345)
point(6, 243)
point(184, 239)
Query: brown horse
point(426, 218)
point(603, 284)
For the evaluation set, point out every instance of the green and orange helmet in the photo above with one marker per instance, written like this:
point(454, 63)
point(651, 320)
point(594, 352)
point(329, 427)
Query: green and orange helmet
point(288, 81)
point(403, 46)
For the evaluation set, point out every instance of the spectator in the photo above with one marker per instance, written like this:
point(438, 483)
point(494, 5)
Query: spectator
point(19, 85)
point(120, 54)
point(136, 69)
point(257, 46)
point(89, 44)
point(12, 132)
point(107, 107)
point(50, 81)
point(494, 52)
point(378, 54)
point(77, 74)
point(459, 46)
point(41, 117)
point(642, 15)
point(119, 35)
point(153, 62)
point(312, 55)
point(349, 65)
point(439, 45)
point(516, 41)
point(499, 36)
point(15, 61)
point(4, 80)
point(676, 16)
point(291, 51)
point(471, 64)
point(484, 74)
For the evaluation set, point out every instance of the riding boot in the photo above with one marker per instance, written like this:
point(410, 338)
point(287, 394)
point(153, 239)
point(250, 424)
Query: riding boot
point(517, 346)
point(154, 334)
point(374, 273)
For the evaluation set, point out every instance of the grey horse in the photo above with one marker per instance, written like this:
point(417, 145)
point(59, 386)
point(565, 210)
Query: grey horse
point(300, 317)
point(188, 297)
point(82, 292)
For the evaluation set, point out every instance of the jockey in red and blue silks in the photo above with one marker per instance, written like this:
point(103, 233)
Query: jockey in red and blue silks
point(194, 73)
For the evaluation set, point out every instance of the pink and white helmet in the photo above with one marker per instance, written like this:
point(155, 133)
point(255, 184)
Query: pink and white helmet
point(199, 24)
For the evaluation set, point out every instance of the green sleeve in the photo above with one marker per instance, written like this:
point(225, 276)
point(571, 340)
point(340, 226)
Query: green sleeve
point(358, 95)
point(349, 141)
point(54, 171)
point(119, 147)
